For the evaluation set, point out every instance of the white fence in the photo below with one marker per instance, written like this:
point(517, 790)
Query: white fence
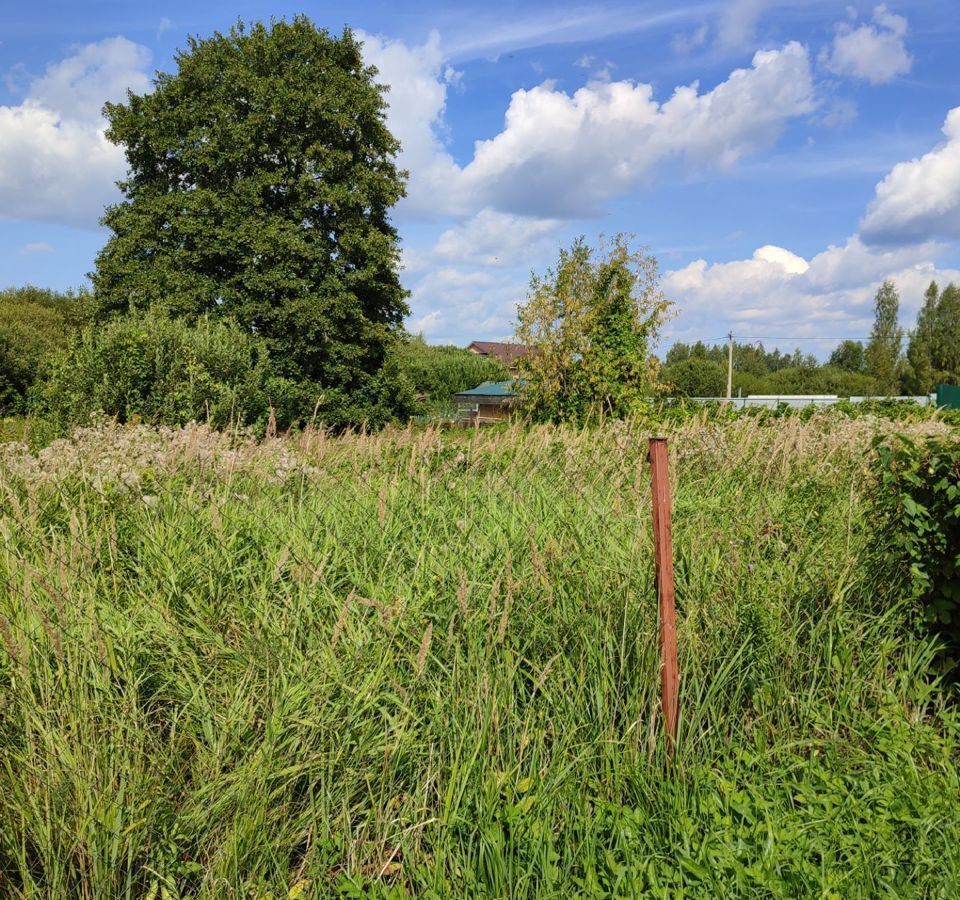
point(771, 401)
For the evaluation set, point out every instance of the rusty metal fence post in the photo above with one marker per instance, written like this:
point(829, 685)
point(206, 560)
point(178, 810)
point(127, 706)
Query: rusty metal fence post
point(663, 568)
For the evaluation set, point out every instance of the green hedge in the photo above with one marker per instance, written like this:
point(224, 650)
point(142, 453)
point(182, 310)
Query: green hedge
point(919, 505)
point(164, 371)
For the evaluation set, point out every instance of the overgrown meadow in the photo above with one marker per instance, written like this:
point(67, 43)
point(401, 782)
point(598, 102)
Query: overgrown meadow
point(424, 663)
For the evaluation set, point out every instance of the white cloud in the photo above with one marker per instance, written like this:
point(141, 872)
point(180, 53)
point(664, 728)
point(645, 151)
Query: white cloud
point(427, 325)
point(776, 292)
point(417, 100)
point(919, 200)
point(452, 301)
point(54, 170)
point(837, 113)
point(495, 239)
point(563, 155)
point(780, 294)
point(490, 35)
point(683, 43)
point(37, 247)
point(470, 280)
point(738, 22)
point(77, 87)
point(558, 157)
point(875, 53)
point(56, 165)
point(558, 154)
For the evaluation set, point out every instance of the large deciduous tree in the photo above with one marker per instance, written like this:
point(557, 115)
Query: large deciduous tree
point(591, 321)
point(261, 176)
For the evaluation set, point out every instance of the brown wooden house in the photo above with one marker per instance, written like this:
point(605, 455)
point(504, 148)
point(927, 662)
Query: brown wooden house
point(508, 354)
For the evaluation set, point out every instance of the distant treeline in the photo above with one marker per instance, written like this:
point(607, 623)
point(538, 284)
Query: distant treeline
point(890, 363)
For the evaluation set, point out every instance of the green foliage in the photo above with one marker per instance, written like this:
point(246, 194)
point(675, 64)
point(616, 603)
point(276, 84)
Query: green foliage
point(437, 372)
point(690, 369)
point(375, 401)
point(845, 383)
point(261, 179)
point(424, 664)
point(827, 379)
point(886, 340)
point(849, 356)
point(695, 376)
point(592, 320)
point(749, 359)
point(933, 353)
point(34, 323)
point(759, 371)
point(920, 377)
point(919, 503)
point(165, 371)
point(946, 336)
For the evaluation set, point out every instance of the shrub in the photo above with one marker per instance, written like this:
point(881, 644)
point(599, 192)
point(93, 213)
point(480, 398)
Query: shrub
point(165, 371)
point(34, 323)
point(439, 372)
point(919, 504)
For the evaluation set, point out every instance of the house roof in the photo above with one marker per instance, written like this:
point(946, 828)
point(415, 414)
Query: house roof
point(499, 389)
point(506, 353)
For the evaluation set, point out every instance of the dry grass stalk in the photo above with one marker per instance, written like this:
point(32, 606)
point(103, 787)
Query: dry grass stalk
point(424, 649)
point(382, 506)
point(281, 562)
point(508, 600)
point(463, 592)
point(341, 620)
point(12, 644)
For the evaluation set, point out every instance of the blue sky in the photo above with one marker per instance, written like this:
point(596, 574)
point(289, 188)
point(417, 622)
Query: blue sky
point(780, 159)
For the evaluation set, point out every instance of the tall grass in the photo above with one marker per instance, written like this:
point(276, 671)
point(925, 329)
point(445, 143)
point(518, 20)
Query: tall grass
point(423, 663)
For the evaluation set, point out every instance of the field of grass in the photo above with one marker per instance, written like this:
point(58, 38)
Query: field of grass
point(424, 663)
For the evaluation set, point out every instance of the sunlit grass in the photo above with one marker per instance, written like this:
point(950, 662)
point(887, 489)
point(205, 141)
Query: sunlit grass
point(424, 663)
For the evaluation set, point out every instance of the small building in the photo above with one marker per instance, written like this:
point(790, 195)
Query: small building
point(487, 403)
point(509, 354)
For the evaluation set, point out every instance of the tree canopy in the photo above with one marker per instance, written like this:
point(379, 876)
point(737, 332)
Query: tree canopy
point(261, 177)
point(886, 339)
point(591, 320)
point(34, 324)
point(849, 356)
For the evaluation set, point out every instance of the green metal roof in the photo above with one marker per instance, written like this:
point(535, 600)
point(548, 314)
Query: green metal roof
point(491, 389)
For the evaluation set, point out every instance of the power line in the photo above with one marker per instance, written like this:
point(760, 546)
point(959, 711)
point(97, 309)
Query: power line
point(768, 337)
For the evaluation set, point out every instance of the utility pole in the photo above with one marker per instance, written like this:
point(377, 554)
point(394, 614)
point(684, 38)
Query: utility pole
point(730, 366)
